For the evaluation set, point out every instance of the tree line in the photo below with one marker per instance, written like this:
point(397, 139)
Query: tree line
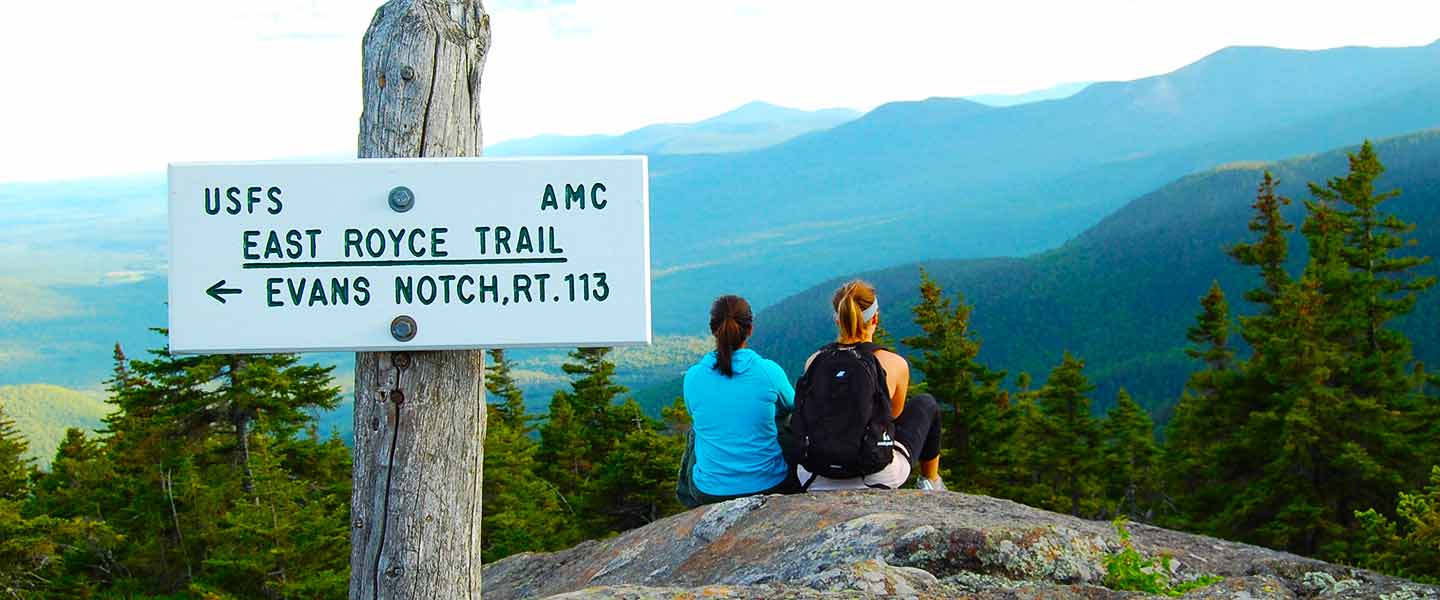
point(1316, 431)
point(1307, 426)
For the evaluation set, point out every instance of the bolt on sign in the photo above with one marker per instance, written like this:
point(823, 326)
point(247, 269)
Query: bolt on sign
point(409, 254)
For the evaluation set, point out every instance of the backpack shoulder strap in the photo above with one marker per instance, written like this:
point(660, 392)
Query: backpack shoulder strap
point(868, 347)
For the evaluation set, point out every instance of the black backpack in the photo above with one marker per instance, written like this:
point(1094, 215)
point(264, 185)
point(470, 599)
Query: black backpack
point(842, 414)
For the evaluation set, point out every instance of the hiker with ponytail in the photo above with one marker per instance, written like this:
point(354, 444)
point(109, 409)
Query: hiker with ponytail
point(858, 426)
point(737, 402)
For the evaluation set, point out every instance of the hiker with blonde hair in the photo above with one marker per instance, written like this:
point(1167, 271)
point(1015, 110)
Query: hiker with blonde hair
point(857, 426)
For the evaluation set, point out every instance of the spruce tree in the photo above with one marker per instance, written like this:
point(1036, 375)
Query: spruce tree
point(523, 512)
point(299, 514)
point(1382, 284)
point(1131, 460)
point(1022, 423)
point(15, 467)
point(507, 401)
point(1291, 504)
point(68, 489)
point(1409, 545)
point(197, 395)
point(1268, 252)
point(592, 397)
point(564, 452)
point(1210, 403)
point(206, 450)
point(635, 482)
point(1066, 441)
point(1373, 284)
point(970, 390)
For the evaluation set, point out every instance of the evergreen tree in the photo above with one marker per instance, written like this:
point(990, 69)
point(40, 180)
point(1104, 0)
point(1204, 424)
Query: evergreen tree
point(1211, 336)
point(507, 401)
point(1269, 253)
point(188, 495)
point(522, 511)
point(69, 488)
point(971, 391)
point(15, 468)
point(592, 398)
point(583, 426)
point(1024, 483)
point(1210, 403)
point(1287, 506)
point(1066, 441)
point(299, 514)
point(564, 452)
point(1131, 459)
point(201, 394)
point(1372, 284)
point(1408, 546)
point(635, 483)
point(1331, 450)
point(1381, 285)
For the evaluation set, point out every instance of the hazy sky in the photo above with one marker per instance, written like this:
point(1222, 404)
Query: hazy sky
point(105, 88)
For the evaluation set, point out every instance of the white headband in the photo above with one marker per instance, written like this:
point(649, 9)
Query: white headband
point(867, 314)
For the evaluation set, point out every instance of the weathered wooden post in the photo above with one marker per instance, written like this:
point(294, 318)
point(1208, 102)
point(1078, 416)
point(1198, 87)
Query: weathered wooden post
point(420, 416)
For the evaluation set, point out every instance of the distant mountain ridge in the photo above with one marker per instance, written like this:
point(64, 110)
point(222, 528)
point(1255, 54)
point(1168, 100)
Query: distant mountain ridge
point(943, 178)
point(951, 178)
point(753, 125)
point(1056, 92)
point(1121, 294)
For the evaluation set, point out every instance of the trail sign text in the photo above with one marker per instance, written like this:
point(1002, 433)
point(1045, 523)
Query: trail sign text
point(288, 257)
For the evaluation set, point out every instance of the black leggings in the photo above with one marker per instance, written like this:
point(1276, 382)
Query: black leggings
point(918, 428)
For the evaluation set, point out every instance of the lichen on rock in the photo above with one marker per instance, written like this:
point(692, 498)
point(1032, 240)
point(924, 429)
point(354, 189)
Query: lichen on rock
point(906, 544)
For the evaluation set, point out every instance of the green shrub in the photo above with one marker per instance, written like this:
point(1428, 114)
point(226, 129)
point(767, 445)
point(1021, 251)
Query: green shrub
point(1129, 570)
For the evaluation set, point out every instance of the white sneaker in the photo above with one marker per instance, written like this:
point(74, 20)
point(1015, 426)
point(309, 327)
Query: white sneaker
point(931, 485)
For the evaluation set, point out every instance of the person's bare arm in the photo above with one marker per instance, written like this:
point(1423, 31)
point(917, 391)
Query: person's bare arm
point(897, 379)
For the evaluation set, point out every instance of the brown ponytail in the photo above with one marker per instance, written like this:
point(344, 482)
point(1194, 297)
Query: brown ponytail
point(730, 321)
point(849, 302)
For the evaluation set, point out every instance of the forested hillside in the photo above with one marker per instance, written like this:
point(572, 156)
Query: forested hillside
point(948, 178)
point(43, 412)
point(1122, 293)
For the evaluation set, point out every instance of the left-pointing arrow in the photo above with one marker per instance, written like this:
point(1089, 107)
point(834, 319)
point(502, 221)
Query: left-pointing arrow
point(218, 291)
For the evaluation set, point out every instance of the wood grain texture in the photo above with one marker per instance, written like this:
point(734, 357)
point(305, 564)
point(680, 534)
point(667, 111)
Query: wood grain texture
point(420, 416)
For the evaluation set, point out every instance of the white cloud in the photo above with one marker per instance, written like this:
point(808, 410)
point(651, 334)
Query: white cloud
point(95, 87)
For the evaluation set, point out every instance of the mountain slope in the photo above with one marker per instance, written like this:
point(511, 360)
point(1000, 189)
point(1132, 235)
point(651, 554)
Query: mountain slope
point(952, 178)
point(926, 180)
point(751, 126)
point(1121, 294)
point(42, 413)
point(1064, 90)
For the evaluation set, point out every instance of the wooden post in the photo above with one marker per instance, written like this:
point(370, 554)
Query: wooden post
point(420, 416)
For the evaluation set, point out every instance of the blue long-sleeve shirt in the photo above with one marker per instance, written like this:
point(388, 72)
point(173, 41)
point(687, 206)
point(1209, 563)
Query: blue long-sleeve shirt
point(736, 450)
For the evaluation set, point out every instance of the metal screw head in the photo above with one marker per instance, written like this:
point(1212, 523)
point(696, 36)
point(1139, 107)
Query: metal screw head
point(407, 73)
point(359, 523)
point(401, 199)
point(403, 328)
